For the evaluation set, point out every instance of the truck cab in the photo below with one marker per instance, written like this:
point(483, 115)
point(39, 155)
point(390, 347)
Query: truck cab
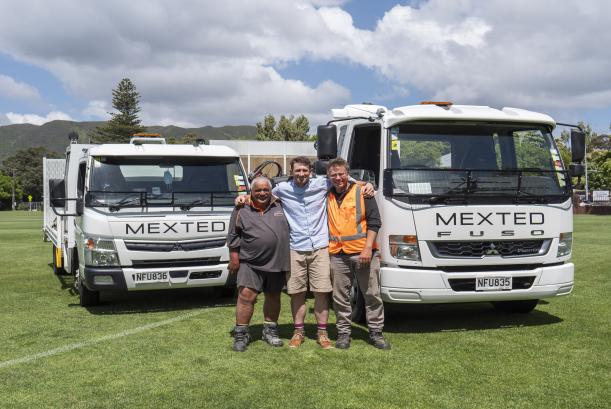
point(475, 201)
point(145, 216)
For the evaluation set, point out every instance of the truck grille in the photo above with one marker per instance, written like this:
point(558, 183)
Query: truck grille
point(174, 246)
point(479, 249)
point(190, 262)
point(468, 284)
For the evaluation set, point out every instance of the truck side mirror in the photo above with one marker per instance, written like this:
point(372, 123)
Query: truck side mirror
point(578, 146)
point(57, 192)
point(326, 148)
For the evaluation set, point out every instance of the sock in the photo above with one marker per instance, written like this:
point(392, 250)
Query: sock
point(269, 324)
point(322, 327)
point(299, 327)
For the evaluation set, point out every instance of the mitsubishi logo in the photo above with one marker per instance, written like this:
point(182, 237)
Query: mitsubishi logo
point(491, 250)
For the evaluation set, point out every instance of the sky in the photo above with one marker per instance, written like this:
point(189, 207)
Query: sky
point(201, 62)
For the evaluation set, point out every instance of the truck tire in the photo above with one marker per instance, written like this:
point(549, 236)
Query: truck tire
point(87, 298)
point(357, 302)
point(59, 271)
point(515, 307)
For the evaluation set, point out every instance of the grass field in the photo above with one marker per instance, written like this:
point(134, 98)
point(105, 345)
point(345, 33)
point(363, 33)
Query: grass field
point(172, 349)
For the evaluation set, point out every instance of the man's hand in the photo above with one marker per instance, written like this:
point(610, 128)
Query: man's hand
point(368, 191)
point(234, 261)
point(365, 256)
point(233, 267)
point(241, 200)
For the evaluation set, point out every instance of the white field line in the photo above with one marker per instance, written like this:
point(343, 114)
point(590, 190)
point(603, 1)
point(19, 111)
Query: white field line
point(78, 345)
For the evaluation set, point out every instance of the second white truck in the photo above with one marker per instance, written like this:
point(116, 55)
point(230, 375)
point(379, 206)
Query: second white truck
point(141, 216)
point(475, 201)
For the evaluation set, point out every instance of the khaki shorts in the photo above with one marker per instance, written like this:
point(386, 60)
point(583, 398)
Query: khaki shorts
point(309, 267)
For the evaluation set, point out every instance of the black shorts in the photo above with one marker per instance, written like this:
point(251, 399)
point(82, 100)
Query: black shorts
point(261, 281)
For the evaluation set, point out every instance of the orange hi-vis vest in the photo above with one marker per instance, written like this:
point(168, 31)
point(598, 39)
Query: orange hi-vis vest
point(347, 223)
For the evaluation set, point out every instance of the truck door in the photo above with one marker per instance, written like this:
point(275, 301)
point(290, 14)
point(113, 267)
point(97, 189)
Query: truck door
point(364, 150)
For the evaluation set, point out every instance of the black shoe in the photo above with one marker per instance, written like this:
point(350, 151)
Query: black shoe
point(241, 338)
point(377, 340)
point(270, 335)
point(343, 341)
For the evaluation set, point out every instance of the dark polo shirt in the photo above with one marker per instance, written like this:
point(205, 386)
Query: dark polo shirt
point(262, 237)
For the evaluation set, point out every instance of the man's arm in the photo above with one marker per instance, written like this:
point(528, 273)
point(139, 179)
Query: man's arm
point(365, 256)
point(233, 242)
point(367, 190)
point(374, 222)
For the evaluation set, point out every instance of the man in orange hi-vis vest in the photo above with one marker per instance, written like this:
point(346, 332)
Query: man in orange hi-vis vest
point(354, 223)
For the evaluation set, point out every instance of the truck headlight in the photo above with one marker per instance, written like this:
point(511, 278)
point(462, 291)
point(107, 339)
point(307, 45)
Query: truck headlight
point(100, 252)
point(404, 247)
point(565, 244)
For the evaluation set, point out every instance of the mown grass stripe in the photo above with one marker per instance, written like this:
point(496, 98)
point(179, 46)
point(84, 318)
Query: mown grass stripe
point(78, 345)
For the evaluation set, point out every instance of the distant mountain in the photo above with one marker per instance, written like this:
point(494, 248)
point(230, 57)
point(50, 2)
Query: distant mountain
point(54, 135)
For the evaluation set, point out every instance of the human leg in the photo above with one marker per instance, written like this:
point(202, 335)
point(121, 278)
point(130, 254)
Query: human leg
point(244, 310)
point(341, 273)
point(368, 277)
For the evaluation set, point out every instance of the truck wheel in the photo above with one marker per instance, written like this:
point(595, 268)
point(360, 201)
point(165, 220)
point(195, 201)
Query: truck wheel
point(56, 270)
point(519, 306)
point(357, 302)
point(87, 298)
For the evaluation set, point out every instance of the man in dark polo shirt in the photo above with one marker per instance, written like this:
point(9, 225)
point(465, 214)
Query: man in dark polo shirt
point(258, 242)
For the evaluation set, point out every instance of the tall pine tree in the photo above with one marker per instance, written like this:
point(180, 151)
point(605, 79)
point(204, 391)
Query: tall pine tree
point(124, 123)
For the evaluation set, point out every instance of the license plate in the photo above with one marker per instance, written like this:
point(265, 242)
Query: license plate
point(492, 283)
point(150, 277)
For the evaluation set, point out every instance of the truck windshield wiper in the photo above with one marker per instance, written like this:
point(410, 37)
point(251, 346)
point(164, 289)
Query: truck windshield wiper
point(125, 202)
point(188, 206)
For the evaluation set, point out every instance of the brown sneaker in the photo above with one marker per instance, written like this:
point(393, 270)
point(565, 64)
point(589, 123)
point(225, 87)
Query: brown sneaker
point(322, 338)
point(297, 339)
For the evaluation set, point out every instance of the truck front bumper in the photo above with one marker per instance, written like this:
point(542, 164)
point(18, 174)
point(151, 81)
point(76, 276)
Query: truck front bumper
point(126, 278)
point(412, 285)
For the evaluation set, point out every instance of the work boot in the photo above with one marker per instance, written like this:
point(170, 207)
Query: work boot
point(297, 339)
point(377, 340)
point(270, 334)
point(241, 338)
point(343, 341)
point(322, 338)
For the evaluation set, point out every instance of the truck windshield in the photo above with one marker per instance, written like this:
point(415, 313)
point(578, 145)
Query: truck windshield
point(495, 162)
point(184, 182)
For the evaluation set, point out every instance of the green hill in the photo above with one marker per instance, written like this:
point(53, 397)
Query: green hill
point(54, 135)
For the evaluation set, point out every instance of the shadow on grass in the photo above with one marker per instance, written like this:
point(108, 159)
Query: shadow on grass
point(184, 299)
point(458, 317)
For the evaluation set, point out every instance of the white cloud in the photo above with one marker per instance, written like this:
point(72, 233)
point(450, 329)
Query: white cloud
point(37, 119)
point(97, 110)
point(13, 89)
point(495, 52)
point(209, 62)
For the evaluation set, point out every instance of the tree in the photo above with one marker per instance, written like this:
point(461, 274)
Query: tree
point(266, 131)
point(598, 155)
point(6, 191)
point(123, 124)
point(27, 167)
point(288, 128)
point(599, 170)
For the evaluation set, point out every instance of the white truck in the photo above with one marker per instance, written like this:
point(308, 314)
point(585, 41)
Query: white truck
point(475, 201)
point(141, 216)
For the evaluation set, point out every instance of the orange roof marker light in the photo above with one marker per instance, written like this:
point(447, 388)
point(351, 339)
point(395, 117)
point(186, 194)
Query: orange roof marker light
point(446, 104)
point(147, 135)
